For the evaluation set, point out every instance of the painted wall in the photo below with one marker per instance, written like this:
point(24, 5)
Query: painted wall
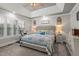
point(52, 21)
point(75, 25)
point(74, 22)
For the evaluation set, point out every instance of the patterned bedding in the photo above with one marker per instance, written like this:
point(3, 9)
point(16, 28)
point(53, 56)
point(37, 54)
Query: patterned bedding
point(37, 38)
point(42, 39)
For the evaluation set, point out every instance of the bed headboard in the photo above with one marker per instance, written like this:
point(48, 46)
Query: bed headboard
point(46, 28)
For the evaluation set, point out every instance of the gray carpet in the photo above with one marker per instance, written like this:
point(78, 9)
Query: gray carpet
point(60, 50)
point(16, 50)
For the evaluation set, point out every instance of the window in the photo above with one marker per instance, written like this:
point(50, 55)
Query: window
point(1, 30)
point(1, 26)
point(20, 26)
point(8, 29)
point(15, 27)
point(78, 16)
point(8, 26)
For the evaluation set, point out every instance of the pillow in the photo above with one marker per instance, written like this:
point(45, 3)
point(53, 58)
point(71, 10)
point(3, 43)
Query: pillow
point(42, 33)
point(36, 33)
point(47, 33)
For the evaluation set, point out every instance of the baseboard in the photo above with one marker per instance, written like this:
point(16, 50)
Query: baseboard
point(7, 43)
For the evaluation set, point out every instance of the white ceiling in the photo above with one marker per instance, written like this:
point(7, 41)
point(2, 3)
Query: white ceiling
point(15, 7)
point(38, 6)
point(49, 10)
point(44, 9)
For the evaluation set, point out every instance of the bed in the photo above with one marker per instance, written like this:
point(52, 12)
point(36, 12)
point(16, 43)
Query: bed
point(40, 40)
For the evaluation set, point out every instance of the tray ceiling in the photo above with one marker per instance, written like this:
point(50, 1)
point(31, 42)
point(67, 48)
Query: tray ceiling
point(25, 9)
point(38, 6)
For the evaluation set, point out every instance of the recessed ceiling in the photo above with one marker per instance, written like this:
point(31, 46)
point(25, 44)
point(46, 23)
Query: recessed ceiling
point(38, 6)
point(44, 8)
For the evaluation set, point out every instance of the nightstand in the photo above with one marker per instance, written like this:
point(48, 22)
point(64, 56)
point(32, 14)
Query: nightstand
point(60, 38)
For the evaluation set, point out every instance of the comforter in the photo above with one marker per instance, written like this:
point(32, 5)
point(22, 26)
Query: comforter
point(38, 39)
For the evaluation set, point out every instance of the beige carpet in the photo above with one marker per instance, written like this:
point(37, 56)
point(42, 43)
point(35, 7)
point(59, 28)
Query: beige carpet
point(16, 50)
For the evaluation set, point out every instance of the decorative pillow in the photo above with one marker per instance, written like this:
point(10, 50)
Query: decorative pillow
point(42, 33)
point(36, 33)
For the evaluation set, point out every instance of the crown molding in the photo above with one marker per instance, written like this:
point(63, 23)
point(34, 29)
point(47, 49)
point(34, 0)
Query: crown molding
point(15, 13)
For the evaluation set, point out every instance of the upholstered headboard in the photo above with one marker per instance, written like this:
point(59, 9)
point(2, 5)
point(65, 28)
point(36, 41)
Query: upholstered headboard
point(46, 28)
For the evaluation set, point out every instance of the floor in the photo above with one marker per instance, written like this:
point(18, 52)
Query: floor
point(76, 45)
point(61, 50)
point(16, 50)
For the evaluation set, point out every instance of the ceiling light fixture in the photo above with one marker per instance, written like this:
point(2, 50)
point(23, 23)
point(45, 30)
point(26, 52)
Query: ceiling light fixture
point(45, 18)
point(35, 5)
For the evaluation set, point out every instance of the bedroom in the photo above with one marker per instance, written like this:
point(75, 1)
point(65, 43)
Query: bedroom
point(38, 29)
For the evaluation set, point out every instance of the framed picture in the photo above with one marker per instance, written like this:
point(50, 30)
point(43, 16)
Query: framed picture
point(44, 22)
point(78, 16)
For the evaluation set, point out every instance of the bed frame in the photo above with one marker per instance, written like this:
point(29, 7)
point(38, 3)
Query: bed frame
point(39, 47)
point(36, 47)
